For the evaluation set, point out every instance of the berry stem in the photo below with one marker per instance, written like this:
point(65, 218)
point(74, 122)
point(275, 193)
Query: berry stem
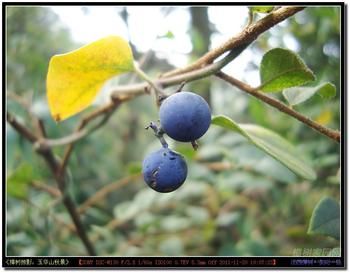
point(194, 145)
point(180, 87)
point(158, 132)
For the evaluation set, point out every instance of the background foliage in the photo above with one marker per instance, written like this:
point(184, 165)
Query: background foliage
point(236, 200)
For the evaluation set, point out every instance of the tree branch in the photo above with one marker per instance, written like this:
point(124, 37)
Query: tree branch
point(59, 221)
point(130, 91)
point(51, 190)
point(196, 71)
point(110, 187)
point(247, 36)
point(332, 134)
point(203, 67)
point(106, 110)
point(116, 99)
point(236, 45)
point(67, 201)
point(21, 129)
point(54, 165)
point(65, 140)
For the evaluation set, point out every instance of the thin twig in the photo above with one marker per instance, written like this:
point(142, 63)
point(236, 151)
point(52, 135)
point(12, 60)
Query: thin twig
point(42, 141)
point(200, 68)
point(332, 134)
point(59, 221)
point(138, 89)
point(236, 45)
point(107, 110)
point(158, 92)
point(54, 166)
point(21, 129)
point(113, 224)
point(104, 191)
point(247, 36)
point(49, 189)
point(67, 201)
point(21, 101)
point(13, 96)
point(219, 166)
point(65, 140)
point(41, 128)
point(104, 110)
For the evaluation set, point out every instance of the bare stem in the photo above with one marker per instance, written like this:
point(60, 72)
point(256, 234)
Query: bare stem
point(159, 133)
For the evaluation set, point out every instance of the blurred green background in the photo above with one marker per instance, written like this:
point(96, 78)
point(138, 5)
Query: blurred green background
point(236, 200)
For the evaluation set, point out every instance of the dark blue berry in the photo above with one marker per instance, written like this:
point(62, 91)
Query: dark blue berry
point(185, 116)
point(164, 170)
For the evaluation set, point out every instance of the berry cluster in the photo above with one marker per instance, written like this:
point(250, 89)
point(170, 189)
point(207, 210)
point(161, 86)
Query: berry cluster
point(184, 117)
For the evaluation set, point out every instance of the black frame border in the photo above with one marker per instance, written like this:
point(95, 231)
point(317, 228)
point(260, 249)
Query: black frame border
point(191, 262)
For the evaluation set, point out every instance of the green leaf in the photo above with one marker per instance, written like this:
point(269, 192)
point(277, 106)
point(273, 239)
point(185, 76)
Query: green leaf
point(17, 182)
point(281, 68)
point(271, 143)
point(296, 95)
point(327, 91)
point(325, 218)
point(261, 9)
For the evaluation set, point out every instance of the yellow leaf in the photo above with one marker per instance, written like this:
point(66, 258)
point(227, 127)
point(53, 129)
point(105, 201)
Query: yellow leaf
point(75, 78)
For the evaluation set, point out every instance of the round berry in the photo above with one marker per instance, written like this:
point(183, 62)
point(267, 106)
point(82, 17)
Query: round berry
point(185, 116)
point(164, 170)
